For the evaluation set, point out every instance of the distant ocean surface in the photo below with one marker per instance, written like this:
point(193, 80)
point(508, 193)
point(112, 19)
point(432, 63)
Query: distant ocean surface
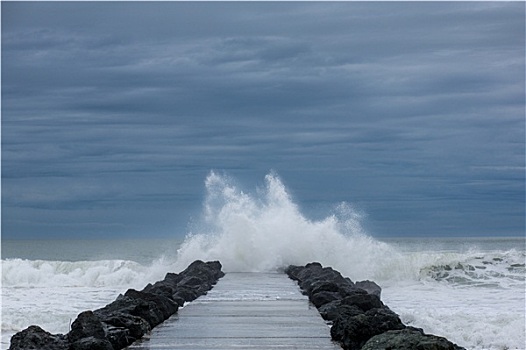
point(470, 290)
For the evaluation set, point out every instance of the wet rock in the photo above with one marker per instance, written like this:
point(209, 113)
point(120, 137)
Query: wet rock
point(330, 311)
point(185, 293)
point(87, 324)
point(370, 287)
point(293, 272)
point(91, 343)
point(135, 326)
point(35, 337)
point(335, 309)
point(365, 302)
point(147, 310)
point(324, 286)
point(178, 299)
point(322, 298)
point(166, 305)
point(353, 332)
point(209, 271)
point(192, 281)
point(409, 339)
point(119, 337)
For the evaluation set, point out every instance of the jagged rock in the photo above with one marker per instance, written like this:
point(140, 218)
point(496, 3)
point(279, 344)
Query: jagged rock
point(35, 337)
point(350, 289)
point(178, 299)
point(160, 288)
point(185, 293)
point(119, 337)
point(409, 339)
point(353, 332)
point(370, 287)
point(144, 309)
point(91, 343)
point(293, 271)
point(166, 305)
point(363, 301)
point(136, 325)
point(209, 271)
point(329, 311)
point(324, 286)
point(192, 281)
point(323, 298)
point(87, 324)
point(334, 309)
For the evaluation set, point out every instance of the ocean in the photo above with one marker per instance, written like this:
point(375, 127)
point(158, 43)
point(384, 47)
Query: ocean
point(469, 290)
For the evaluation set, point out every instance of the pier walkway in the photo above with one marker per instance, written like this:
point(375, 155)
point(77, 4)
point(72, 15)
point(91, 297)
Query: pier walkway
point(244, 311)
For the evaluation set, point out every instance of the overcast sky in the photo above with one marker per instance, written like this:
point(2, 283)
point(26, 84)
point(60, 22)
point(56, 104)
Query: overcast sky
point(113, 113)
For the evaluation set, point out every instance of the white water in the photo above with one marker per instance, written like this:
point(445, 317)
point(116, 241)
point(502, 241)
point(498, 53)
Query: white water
point(267, 231)
point(473, 296)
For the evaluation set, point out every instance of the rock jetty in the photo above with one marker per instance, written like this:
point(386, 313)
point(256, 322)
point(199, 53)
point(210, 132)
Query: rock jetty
point(129, 317)
point(360, 320)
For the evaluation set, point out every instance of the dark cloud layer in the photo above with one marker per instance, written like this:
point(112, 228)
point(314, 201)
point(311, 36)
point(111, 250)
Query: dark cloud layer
point(113, 113)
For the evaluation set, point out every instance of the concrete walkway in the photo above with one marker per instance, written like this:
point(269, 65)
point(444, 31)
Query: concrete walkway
point(244, 311)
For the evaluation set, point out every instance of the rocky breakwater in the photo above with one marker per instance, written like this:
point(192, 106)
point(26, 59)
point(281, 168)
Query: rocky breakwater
point(360, 320)
point(129, 317)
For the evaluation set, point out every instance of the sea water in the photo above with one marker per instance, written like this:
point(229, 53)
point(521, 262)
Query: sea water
point(470, 290)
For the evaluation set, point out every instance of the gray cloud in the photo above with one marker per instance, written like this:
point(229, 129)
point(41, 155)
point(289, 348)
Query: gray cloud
point(114, 112)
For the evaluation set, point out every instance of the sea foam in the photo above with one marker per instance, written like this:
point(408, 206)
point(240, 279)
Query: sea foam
point(266, 231)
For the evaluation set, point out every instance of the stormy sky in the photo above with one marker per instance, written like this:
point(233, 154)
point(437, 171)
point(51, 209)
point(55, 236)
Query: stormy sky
point(114, 113)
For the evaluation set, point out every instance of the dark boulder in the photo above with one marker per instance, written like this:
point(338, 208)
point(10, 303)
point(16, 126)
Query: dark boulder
point(323, 286)
point(119, 337)
point(353, 332)
point(409, 339)
point(199, 286)
point(178, 299)
point(185, 293)
point(166, 305)
point(348, 311)
point(209, 271)
point(135, 325)
point(365, 302)
point(35, 337)
point(192, 281)
point(160, 288)
point(370, 286)
point(346, 290)
point(331, 311)
point(318, 282)
point(87, 324)
point(323, 298)
point(293, 271)
point(195, 280)
point(91, 343)
point(144, 309)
